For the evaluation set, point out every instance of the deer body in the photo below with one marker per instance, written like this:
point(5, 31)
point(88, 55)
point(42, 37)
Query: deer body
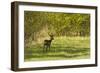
point(47, 43)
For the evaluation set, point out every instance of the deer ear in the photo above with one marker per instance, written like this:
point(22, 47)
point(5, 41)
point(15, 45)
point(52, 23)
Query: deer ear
point(50, 34)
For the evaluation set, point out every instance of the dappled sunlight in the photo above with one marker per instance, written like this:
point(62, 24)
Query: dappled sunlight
point(56, 36)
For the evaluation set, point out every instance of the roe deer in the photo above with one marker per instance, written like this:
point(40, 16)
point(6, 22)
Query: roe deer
point(47, 43)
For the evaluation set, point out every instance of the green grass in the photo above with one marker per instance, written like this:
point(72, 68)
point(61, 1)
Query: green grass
point(62, 48)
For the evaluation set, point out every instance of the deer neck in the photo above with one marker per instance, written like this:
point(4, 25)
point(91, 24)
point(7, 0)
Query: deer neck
point(51, 39)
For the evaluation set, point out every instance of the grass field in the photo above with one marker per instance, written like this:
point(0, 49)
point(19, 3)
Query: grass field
point(68, 48)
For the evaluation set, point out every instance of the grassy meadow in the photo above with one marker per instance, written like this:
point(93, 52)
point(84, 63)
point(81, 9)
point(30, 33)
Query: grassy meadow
point(71, 33)
point(69, 48)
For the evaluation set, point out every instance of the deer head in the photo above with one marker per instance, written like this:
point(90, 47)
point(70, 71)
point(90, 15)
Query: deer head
point(51, 36)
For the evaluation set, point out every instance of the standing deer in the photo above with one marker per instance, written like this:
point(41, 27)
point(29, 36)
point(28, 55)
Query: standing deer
point(47, 43)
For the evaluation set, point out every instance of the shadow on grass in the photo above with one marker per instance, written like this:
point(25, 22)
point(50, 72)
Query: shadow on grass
point(57, 49)
point(54, 52)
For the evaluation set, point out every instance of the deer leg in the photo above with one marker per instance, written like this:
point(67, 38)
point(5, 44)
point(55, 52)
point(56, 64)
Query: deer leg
point(49, 48)
point(44, 47)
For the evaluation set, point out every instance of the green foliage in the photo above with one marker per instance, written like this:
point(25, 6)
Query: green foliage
point(71, 35)
point(39, 24)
